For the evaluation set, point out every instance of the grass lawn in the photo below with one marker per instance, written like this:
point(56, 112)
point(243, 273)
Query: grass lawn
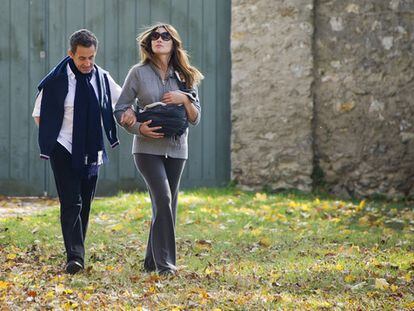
point(236, 250)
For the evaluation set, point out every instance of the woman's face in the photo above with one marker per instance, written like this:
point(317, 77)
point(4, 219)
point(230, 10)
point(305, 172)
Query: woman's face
point(161, 44)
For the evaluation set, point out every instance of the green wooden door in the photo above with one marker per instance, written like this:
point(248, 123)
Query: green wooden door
point(36, 33)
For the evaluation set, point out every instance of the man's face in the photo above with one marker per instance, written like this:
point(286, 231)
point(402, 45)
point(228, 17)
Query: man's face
point(84, 58)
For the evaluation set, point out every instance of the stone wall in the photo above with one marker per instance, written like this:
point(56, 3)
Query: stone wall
point(364, 87)
point(325, 87)
point(271, 93)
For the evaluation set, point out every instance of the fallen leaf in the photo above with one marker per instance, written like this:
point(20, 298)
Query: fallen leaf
point(117, 227)
point(265, 242)
point(256, 232)
point(349, 278)
point(381, 284)
point(4, 285)
point(208, 271)
point(50, 295)
point(260, 197)
point(361, 206)
point(339, 267)
point(152, 289)
point(203, 242)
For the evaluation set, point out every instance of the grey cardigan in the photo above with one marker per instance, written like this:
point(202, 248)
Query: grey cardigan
point(144, 85)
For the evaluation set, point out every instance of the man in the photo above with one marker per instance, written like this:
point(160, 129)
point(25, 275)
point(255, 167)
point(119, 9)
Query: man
point(72, 108)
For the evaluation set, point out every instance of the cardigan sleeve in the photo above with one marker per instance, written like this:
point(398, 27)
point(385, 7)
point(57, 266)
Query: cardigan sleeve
point(193, 96)
point(127, 99)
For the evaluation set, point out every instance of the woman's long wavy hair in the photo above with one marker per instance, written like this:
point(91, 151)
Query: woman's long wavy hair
point(179, 57)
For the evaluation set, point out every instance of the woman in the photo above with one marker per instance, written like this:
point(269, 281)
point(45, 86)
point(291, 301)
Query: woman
point(159, 159)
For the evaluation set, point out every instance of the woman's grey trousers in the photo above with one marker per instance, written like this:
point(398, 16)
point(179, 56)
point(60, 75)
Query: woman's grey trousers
point(162, 176)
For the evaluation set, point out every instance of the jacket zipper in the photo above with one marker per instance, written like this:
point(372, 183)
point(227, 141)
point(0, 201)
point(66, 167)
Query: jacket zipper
point(163, 89)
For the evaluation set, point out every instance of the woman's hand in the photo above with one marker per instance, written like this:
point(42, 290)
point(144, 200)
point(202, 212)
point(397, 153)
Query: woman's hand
point(128, 118)
point(175, 97)
point(178, 98)
point(150, 131)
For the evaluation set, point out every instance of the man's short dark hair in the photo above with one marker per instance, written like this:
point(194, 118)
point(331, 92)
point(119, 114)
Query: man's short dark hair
point(82, 37)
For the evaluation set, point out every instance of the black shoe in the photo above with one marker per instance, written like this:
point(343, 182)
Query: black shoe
point(73, 267)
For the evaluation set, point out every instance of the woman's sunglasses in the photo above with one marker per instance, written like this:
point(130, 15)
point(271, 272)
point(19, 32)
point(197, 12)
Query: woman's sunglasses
point(164, 36)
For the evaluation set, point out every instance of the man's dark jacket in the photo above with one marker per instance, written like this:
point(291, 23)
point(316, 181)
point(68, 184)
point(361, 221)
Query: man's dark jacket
point(55, 89)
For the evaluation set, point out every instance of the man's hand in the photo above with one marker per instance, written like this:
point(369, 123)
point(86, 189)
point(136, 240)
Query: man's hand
point(37, 120)
point(128, 118)
point(150, 131)
point(174, 97)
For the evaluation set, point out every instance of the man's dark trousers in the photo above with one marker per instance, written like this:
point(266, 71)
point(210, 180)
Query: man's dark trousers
point(75, 195)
